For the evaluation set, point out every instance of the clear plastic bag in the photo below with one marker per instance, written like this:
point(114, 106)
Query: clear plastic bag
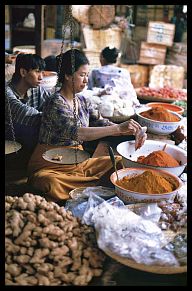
point(94, 203)
point(127, 234)
point(149, 211)
point(77, 206)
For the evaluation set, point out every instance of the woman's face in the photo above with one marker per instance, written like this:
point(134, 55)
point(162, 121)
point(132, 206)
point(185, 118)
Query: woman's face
point(80, 78)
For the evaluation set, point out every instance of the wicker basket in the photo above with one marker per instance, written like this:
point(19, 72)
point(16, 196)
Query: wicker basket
point(98, 39)
point(97, 16)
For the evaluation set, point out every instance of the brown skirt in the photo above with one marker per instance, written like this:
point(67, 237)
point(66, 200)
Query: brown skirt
point(57, 180)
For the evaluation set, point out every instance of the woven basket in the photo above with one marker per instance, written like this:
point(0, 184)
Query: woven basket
point(98, 39)
point(97, 16)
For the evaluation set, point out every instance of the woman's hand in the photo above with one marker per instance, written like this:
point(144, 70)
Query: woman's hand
point(131, 127)
point(140, 137)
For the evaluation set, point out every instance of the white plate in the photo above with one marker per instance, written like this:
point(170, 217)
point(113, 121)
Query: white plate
point(68, 156)
point(11, 146)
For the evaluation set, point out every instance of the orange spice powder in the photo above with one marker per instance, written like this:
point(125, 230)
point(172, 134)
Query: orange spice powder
point(148, 182)
point(158, 158)
point(159, 113)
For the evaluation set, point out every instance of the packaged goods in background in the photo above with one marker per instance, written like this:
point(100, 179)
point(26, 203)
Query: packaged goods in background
point(152, 54)
point(167, 76)
point(160, 33)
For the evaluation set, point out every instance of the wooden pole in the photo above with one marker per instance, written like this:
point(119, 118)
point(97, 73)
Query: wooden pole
point(39, 28)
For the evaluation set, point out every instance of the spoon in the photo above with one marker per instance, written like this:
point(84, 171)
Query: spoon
point(111, 153)
point(164, 147)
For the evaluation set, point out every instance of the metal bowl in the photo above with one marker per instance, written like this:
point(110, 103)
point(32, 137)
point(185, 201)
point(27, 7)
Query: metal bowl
point(129, 155)
point(49, 80)
point(128, 196)
point(158, 127)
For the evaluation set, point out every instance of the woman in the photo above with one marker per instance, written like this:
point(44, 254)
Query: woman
point(60, 128)
point(111, 75)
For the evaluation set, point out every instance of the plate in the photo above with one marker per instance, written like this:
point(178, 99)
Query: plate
point(11, 146)
point(103, 192)
point(154, 98)
point(169, 234)
point(68, 156)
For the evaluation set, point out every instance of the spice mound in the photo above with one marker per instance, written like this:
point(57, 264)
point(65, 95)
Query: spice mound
point(158, 158)
point(160, 114)
point(148, 182)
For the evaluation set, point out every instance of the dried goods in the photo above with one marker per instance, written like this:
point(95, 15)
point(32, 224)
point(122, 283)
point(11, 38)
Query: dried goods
point(47, 245)
point(57, 158)
point(159, 113)
point(166, 92)
point(173, 215)
point(158, 158)
point(148, 182)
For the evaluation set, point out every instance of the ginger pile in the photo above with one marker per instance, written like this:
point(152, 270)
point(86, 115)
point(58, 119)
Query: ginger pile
point(47, 245)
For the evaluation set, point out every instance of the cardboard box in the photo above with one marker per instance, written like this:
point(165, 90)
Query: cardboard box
point(160, 33)
point(139, 74)
point(152, 54)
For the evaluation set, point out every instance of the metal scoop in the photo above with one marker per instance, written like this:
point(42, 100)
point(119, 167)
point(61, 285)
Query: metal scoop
point(111, 153)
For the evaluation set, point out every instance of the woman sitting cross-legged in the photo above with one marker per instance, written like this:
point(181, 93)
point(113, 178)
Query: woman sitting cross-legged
point(60, 128)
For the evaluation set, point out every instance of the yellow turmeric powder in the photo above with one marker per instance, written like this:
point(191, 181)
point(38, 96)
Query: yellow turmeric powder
point(148, 182)
point(158, 158)
point(159, 113)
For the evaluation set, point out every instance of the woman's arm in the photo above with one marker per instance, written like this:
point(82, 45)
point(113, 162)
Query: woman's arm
point(130, 127)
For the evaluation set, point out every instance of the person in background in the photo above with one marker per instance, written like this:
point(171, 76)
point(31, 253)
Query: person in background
point(50, 63)
point(24, 100)
point(111, 75)
point(59, 128)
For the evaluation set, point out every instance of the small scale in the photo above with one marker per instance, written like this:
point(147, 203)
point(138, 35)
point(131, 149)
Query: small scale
point(65, 156)
point(11, 146)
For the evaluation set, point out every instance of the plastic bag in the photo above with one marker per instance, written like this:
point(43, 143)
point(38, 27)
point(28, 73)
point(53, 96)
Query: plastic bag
point(94, 203)
point(149, 211)
point(127, 234)
point(77, 206)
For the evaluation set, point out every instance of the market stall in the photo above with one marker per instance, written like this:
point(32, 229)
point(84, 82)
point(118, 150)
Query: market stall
point(127, 231)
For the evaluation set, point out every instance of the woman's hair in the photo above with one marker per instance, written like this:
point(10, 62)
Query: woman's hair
point(65, 67)
point(27, 62)
point(110, 54)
